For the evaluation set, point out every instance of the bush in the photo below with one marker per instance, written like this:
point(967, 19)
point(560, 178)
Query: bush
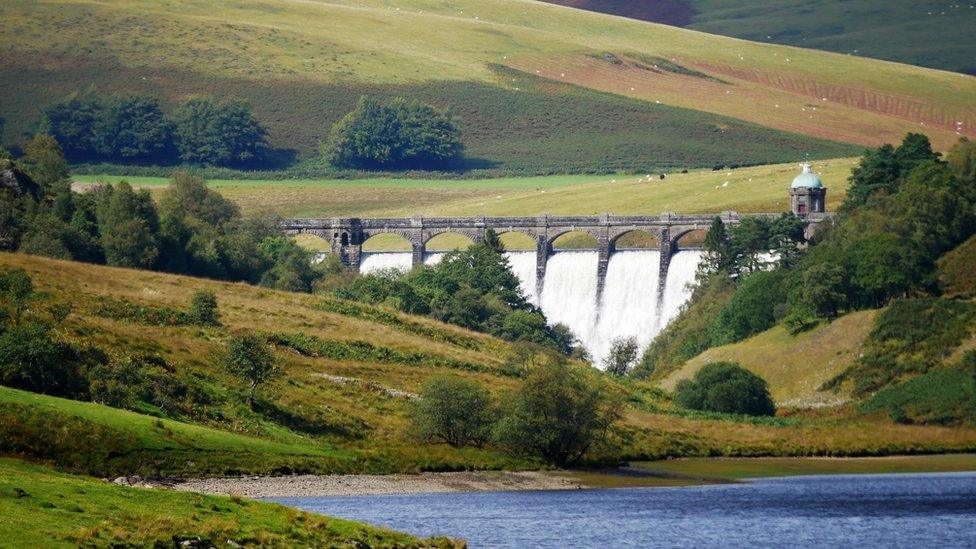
point(558, 414)
point(250, 359)
point(203, 308)
point(33, 359)
point(726, 387)
point(213, 133)
point(454, 411)
point(623, 354)
point(395, 135)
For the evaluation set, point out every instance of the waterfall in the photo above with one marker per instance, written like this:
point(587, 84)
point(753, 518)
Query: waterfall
point(569, 294)
point(523, 265)
point(681, 272)
point(383, 261)
point(433, 258)
point(629, 305)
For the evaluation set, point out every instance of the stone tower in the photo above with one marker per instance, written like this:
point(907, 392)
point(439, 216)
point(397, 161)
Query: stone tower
point(807, 194)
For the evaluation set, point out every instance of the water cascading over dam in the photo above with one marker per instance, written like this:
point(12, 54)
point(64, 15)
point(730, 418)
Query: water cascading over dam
point(610, 292)
point(629, 304)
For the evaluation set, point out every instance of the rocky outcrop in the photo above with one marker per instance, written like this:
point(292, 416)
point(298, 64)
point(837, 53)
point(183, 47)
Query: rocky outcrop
point(18, 182)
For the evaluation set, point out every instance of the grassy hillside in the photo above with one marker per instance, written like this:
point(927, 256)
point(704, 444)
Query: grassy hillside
point(928, 33)
point(341, 405)
point(44, 508)
point(507, 68)
point(758, 189)
point(794, 366)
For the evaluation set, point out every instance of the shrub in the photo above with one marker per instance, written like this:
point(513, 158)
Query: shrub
point(397, 134)
point(558, 414)
point(215, 133)
point(203, 308)
point(32, 358)
point(250, 359)
point(726, 387)
point(622, 355)
point(454, 411)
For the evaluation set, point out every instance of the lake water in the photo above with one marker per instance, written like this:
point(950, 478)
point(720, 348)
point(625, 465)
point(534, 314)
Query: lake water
point(916, 510)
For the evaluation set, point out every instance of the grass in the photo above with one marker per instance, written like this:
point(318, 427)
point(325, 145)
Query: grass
point(794, 366)
point(307, 421)
point(41, 507)
point(530, 81)
point(755, 189)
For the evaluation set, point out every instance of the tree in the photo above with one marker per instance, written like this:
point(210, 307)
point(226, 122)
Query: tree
point(494, 242)
point(129, 225)
point(726, 387)
point(17, 291)
point(824, 289)
point(717, 248)
point(213, 133)
point(876, 173)
point(753, 308)
point(914, 150)
point(962, 160)
point(72, 122)
point(133, 129)
point(558, 414)
point(45, 162)
point(250, 359)
point(203, 308)
point(396, 135)
point(188, 195)
point(622, 356)
point(454, 411)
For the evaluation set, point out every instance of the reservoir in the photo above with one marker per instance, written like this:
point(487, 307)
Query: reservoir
point(901, 510)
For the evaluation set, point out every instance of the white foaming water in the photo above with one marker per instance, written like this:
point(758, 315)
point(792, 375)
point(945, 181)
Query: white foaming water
point(382, 261)
point(629, 306)
point(433, 258)
point(523, 265)
point(569, 294)
point(681, 273)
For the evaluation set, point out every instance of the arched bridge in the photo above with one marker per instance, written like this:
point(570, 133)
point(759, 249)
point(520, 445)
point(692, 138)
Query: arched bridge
point(346, 235)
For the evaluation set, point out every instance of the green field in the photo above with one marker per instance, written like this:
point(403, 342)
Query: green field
point(532, 83)
point(41, 507)
point(758, 189)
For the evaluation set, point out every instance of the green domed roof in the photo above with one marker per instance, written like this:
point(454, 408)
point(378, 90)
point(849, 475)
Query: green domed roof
point(807, 179)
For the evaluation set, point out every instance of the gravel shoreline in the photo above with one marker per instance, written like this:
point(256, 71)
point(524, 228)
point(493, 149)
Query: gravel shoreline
point(372, 485)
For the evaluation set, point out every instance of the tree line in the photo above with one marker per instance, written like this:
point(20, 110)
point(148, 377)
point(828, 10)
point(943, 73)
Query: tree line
point(192, 230)
point(906, 207)
point(204, 131)
point(135, 130)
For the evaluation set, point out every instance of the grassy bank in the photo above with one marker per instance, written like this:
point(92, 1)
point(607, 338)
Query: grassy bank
point(755, 189)
point(43, 508)
point(345, 408)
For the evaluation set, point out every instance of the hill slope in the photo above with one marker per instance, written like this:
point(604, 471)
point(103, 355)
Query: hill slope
point(503, 66)
point(342, 404)
point(794, 366)
point(928, 33)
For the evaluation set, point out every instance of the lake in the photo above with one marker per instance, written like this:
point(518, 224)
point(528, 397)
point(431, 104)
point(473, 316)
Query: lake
point(906, 510)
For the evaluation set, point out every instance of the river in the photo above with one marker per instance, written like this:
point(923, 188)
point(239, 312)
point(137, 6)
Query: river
point(905, 510)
